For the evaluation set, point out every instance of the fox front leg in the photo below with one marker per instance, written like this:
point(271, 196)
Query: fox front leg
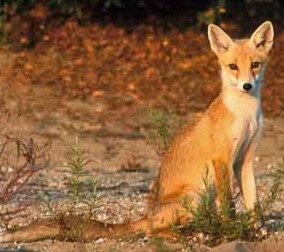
point(247, 177)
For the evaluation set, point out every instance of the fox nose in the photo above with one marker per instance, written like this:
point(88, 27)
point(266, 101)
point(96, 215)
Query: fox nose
point(247, 86)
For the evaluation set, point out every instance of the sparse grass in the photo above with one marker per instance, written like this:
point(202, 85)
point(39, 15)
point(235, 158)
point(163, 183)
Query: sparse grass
point(161, 127)
point(81, 186)
point(215, 225)
point(210, 224)
point(273, 195)
point(47, 201)
point(21, 159)
point(277, 178)
point(77, 160)
point(160, 245)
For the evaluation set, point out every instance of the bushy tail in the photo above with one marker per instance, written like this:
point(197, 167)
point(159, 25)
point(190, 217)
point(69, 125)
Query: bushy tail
point(76, 228)
point(72, 229)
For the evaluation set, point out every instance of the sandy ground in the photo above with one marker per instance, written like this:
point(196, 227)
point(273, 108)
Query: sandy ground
point(115, 143)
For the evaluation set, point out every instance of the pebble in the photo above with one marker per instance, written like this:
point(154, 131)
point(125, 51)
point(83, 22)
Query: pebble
point(145, 238)
point(200, 236)
point(207, 237)
point(263, 231)
point(100, 240)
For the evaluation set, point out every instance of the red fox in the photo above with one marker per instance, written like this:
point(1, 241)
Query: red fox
point(226, 135)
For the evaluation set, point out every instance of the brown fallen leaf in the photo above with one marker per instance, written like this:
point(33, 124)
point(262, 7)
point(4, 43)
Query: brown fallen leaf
point(79, 61)
point(28, 67)
point(98, 93)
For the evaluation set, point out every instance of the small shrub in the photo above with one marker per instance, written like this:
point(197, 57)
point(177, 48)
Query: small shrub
point(161, 127)
point(48, 202)
point(77, 160)
point(212, 14)
point(81, 186)
point(219, 225)
point(273, 193)
point(160, 245)
point(20, 161)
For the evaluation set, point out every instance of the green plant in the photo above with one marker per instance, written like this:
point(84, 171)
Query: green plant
point(48, 202)
point(277, 178)
point(80, 9)
point(212, 14)
point(219, 224)
point(160, 245)
point(81, 186)
point(92, 198)
point(263, 208)
point(161, 127)
point(2, 21)
point(77, 160)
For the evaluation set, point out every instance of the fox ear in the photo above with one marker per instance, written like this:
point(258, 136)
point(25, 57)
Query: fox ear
point(262, 38)
point(219, 40)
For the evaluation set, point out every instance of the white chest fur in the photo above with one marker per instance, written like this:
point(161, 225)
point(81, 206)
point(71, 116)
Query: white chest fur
point(248, 116)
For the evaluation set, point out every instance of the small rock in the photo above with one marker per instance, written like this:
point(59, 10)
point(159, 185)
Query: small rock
point(207, 237)
point(200, 236)
point(100, 240)
point(145, 239)
point(263, 231)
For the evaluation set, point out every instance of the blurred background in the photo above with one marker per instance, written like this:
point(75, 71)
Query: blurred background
point(132, 53)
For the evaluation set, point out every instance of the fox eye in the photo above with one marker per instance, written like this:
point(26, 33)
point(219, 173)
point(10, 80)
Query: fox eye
point(255, 64)
point(233, 67)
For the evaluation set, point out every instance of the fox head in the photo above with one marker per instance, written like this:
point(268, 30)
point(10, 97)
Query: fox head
point(242, 61)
